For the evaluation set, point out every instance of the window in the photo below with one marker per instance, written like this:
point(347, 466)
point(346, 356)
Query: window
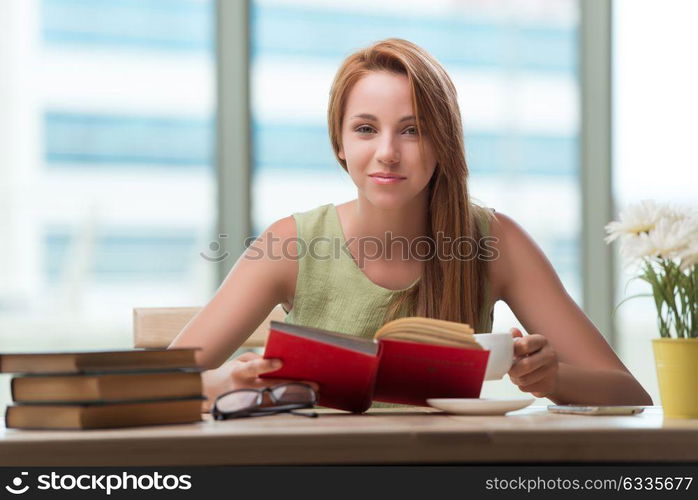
point(106, 152)
point(655, 105)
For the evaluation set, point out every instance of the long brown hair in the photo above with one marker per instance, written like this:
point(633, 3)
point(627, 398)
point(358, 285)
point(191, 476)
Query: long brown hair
point(449, 289)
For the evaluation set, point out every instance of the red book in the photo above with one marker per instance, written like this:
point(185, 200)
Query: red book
point(352, 372)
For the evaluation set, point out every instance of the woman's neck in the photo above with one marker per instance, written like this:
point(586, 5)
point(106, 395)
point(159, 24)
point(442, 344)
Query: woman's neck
point(408, 221)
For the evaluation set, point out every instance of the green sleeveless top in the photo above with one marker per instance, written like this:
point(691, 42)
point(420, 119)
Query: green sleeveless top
point(332, 292)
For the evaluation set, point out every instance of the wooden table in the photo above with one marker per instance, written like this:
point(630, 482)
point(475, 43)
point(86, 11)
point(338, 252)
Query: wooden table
point(395, 436)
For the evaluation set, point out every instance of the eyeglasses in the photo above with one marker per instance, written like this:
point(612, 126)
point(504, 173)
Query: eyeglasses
point(248, 402)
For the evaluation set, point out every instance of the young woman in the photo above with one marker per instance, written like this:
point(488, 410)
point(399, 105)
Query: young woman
point(395, 128)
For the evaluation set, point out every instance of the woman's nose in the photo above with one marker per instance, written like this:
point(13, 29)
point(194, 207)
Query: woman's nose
point(388, 152)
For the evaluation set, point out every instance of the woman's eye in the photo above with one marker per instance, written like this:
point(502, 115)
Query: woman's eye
point(366, 129)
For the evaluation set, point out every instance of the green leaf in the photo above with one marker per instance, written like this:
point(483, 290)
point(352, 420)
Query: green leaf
point(615, 309)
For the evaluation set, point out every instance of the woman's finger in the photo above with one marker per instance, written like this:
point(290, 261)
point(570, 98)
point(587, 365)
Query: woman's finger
point(528, 364)
point(248, 356)
point(543, 386)
point(251, 369)
point(529, 344)
point(533, 377)
point(268, 382)
point(267, 365)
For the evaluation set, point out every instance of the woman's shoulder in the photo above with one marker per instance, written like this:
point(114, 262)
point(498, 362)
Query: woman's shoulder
point(506, 229)
point(515, 250)
point(316, 212)
point(283, 236)
point(288, 226)
point(278, 240)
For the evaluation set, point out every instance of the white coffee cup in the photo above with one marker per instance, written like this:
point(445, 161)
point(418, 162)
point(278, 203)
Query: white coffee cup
point(501, 347)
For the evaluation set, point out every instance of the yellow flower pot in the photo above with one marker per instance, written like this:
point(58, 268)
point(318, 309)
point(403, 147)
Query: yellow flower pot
point(677, 372)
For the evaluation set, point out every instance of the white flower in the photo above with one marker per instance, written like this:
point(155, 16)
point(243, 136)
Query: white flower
point(635, 247)
point(660, 236)
point(649, 229)
point(635, 220)
point(677, 213)
point(671, 237)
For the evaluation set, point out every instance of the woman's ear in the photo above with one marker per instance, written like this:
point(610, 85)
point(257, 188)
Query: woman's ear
point(341, 155)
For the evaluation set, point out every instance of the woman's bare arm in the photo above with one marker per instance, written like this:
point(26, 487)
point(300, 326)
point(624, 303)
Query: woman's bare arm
point(263, 277)
point(588, 371)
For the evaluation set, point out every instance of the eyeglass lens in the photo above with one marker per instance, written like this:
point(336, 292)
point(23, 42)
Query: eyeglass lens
point(280, 395)
point(239, 400)
point(292, 394)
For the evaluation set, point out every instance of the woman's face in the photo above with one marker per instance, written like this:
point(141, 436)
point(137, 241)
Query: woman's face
point(386, 143)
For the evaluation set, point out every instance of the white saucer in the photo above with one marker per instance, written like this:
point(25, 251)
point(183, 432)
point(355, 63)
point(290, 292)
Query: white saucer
point(479, 406)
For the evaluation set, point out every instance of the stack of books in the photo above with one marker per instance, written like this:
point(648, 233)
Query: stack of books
point(98, 389)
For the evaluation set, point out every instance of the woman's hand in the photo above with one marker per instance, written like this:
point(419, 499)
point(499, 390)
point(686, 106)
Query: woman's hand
point(535, 367)
point(240, 373)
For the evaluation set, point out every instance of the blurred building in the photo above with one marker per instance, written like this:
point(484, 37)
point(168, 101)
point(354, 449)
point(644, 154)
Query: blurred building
point(108, 181)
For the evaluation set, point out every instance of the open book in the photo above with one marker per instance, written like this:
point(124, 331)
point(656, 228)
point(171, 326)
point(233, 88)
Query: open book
point(408, 360)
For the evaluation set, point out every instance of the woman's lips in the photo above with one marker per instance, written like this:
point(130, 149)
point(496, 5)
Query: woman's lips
point(386, 180)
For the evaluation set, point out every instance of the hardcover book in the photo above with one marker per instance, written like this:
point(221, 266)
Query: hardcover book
point(103, 415)
point(86, 361)
point(407, 361)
